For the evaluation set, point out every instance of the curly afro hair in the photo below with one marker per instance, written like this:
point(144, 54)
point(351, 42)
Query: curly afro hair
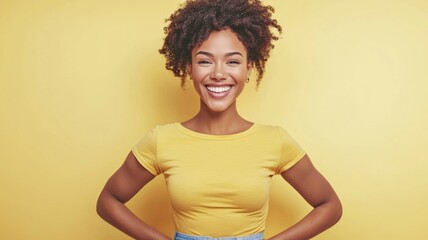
point(193, 22)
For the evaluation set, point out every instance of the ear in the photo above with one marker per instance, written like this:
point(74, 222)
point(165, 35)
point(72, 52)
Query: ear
point(189, 70)
point(249, 68)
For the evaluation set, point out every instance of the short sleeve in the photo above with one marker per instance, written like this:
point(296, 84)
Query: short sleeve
point(291, 152)
point(145, 151)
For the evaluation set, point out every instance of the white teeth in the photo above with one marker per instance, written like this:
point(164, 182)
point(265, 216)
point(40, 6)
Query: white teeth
point(219, 89)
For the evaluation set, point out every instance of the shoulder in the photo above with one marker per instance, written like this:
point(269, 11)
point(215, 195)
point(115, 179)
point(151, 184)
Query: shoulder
point(152, 134)
point(270, 129)
point(165, 128)
point(275, 132)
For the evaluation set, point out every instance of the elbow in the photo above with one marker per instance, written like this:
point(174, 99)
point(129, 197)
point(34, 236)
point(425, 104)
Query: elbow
point(332, 210)
point(100, 206)
point(340, 212)
point(107, 205)
point(337, 211)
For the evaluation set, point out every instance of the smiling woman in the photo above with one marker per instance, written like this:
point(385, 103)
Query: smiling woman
point(192, 24)
point(219, 70)
point(217, 165)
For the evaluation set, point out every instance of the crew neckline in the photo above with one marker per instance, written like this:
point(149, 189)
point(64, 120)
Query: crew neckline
point(192, 133)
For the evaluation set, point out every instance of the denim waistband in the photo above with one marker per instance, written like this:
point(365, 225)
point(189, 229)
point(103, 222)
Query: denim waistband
point(182, 236)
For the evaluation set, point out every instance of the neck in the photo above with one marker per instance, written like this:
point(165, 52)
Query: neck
point(218, 123)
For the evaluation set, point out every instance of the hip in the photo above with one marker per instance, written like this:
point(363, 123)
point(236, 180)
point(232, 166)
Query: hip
point(182, 236)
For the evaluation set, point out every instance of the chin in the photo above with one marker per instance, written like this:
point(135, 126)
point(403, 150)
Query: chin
point(218, 110)
point(216, 107)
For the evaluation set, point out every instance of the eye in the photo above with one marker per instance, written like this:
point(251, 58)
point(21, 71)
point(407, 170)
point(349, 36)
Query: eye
point(204, 62)
point(234, 62)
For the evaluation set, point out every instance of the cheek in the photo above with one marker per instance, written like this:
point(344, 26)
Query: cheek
point(199, 73)
point(240, 73)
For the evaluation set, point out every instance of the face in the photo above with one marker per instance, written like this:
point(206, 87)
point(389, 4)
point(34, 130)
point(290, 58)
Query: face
point(219, 70)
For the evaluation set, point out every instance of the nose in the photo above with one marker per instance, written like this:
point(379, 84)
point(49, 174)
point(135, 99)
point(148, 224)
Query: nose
point(218, 73)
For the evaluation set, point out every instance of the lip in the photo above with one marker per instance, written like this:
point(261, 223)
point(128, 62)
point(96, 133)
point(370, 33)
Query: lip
point(219, 85)
point(220, 94)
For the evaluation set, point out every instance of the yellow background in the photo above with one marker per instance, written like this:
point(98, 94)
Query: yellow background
point(82, 81)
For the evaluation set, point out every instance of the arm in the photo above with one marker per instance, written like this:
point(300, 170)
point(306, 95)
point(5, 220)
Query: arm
point(121, 187)
point(315, 189)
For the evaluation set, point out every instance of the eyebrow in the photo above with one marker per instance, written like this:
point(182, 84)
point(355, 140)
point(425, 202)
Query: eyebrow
point(212, 55)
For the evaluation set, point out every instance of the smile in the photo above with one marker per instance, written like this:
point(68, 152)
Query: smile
point(218, 89)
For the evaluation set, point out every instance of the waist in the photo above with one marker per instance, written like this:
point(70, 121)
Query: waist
point(182, 236)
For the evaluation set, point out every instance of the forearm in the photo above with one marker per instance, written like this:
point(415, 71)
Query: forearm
point(318, 220)
point(117, 214)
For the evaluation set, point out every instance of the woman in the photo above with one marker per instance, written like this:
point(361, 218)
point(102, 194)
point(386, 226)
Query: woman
point(218, 166)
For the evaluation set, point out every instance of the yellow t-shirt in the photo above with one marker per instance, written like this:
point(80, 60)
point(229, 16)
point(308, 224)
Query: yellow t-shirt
point(218, 184)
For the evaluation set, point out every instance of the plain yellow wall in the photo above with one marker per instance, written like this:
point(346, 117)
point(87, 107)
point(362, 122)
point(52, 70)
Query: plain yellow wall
point(81, 82)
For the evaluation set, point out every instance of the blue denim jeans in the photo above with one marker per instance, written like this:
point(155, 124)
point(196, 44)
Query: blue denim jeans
point(182, 236)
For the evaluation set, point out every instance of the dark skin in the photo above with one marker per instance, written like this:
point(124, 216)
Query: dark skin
point(316, 190)
point(219, 115)
point(119, 189)
point(303, 176)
